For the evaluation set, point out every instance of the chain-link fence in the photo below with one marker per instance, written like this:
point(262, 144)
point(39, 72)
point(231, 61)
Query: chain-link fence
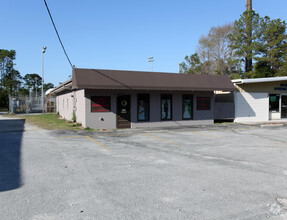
point(31, 104)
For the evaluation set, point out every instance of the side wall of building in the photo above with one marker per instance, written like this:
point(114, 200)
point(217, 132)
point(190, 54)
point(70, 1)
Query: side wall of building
point(108, 120)
point(80, 106)
point(101, 120)
point(251, 107)
point(65, 105)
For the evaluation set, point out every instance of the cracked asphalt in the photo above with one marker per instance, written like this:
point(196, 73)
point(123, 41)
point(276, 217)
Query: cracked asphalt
point(224, 171)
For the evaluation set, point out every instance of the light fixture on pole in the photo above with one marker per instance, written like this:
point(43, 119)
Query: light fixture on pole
point(150, 59)
point(42, 103)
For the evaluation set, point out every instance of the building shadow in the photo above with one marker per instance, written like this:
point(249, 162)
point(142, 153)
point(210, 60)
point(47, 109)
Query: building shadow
point(11, 132)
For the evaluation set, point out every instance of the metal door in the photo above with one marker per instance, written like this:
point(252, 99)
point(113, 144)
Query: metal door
point(123, 111)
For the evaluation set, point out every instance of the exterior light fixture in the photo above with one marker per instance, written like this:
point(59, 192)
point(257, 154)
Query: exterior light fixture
point(150, 59)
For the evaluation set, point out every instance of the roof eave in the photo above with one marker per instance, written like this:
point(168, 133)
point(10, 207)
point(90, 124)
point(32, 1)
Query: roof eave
point(64, 86)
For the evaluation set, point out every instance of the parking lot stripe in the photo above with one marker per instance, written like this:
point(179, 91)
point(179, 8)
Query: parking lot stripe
point(208, 135)
point(70, 137)
point(92, 139)
point(156, 137)
point(101, 145)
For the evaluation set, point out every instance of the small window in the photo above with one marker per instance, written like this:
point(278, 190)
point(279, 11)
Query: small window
point(274, 103)
point(100, 104)
point(143, 107)
point(187, 110)
point(203, 103)
point(67, 103)
point(166, 107)
point(63, 103)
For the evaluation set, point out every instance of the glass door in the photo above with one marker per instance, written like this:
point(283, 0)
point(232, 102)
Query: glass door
point(284, 106)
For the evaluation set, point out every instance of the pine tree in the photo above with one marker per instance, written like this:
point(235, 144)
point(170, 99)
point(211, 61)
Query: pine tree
point(245, 37)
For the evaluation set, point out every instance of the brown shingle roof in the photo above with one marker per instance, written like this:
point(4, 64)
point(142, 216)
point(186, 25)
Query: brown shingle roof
point(136, 80)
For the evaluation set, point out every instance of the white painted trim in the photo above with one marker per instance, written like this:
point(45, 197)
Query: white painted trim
point(259, 80)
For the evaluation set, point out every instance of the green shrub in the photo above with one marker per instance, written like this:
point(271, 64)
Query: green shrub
point(74, 118)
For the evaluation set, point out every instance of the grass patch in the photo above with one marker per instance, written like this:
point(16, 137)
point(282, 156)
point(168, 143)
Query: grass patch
point(50, 122)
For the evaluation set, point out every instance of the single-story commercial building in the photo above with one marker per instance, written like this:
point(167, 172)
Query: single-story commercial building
point(260, 99)
point(110, 99)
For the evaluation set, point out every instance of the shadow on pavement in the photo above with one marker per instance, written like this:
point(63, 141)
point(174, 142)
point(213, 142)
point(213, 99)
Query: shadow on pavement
point(11, 132)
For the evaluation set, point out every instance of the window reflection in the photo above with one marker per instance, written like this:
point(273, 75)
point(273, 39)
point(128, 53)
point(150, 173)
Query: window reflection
point(143, 107)
point(166, 107)
point(187, 107)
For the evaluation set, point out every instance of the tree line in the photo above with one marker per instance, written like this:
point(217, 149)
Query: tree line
point(251, 47)
point(12, 83)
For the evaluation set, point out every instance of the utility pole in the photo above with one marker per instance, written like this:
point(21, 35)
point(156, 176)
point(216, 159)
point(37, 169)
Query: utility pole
point(248, 58)
point(248, 5)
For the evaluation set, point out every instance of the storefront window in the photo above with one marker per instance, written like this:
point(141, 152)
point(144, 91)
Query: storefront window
point(274, 103)
point(187, 106)
point(203, 103)
point(100, 104)
point(143, 107)
point(166, 107)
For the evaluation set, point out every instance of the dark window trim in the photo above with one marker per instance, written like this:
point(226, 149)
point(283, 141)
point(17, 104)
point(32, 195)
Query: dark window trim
point(148, 117)
point(277, 109)
point(101, 111)
point(161, 97)
point(203, 97)
point(183, 96)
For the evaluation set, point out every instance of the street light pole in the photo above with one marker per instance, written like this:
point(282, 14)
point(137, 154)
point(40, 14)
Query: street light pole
point(43, 51)
point(150, 59)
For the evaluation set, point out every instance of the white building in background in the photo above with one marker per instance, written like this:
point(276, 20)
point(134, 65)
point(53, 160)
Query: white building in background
point(260, 99)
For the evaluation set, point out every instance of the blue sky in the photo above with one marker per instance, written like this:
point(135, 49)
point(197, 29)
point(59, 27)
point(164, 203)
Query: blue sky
point(115, 34)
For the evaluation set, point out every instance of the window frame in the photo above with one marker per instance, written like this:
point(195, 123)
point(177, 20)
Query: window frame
point(183, 98)
point(101, 109)
point(161, 98)
point(199, 108)
point(148, 106)
point(275, 110)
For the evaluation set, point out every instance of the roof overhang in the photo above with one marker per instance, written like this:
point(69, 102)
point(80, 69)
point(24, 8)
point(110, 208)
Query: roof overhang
point(137, 80)
point(259, 80)
point(67, 85)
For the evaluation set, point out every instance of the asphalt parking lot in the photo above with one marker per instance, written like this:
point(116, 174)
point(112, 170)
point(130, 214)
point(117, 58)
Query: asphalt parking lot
point(226, 171)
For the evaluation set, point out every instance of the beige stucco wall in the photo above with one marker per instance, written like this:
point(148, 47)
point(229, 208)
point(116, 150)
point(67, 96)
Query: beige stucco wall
point(72, 101)
point(65, 105)
point(80, 106)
